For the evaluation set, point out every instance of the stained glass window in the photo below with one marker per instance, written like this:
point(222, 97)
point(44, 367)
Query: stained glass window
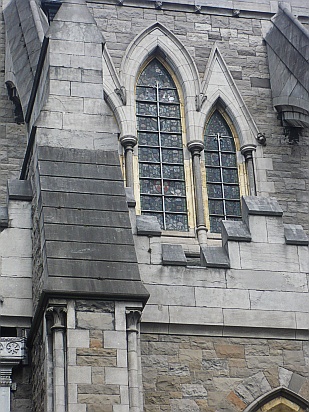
point(221, 173)
point(160, 153)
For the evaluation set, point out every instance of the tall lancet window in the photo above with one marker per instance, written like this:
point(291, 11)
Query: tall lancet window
point(160, 148)
point(221, 172)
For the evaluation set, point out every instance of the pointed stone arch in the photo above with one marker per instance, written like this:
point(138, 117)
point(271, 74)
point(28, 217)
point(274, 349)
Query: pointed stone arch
point(220, 88)
point(158, 41)
point(280, 399)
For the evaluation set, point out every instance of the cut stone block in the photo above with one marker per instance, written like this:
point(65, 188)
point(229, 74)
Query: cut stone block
point(235, 230)
point(131, 202)
point(4, 217)
point(148, 226)
point(19, 190)
point(214, 257)
point(295, 235)
point(253, 205)
point(173, 255)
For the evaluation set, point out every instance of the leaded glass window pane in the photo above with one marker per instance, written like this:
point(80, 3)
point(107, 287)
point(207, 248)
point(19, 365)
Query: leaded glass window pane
point(171, 140)
point(172, 156)
point(221, 173)
point(149, 139)
point(161, 169)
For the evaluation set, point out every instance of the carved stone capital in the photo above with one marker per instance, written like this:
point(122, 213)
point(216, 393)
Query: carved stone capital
point(195, 147)
point(58, 315)
point(133, 317)
point(247, 149)
point(128, 141)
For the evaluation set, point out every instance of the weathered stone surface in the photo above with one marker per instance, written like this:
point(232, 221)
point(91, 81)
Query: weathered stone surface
point(253, 387)
point(90, 320)
point(4, 218)
point(184, 405)
point(173, 255)
point(98, 306)
point(226, 373)
point(296, 382)
point(295, 235)
point(96, 361)
point(260, 82)
point(214, 257)
point(148, 226)
point(131, 202)
point(19, 190)
point(235, 230)
point(285, 376)
point(235, 400)
point(261, 206)
point(288, 63)
point(262, 280)
point(98, 389)
point(230, 351)
point(278, 167)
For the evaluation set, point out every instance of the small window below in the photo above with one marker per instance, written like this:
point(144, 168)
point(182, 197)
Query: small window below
point(221, 173)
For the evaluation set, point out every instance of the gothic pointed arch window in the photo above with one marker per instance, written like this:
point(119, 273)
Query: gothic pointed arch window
point(160, 148)
point(222, 176)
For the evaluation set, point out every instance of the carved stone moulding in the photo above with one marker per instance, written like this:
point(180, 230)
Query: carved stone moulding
point(12, 349)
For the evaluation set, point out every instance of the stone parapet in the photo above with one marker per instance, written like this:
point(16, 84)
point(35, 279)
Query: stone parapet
point(254, 283)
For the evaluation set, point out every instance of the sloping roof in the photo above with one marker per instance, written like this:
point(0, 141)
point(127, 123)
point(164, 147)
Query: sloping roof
point(24, 45)
point(288, 57)
point(87, 233)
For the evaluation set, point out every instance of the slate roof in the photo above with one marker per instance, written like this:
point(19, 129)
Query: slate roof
point(24, 45)
point(89, 245)
point(288, 57)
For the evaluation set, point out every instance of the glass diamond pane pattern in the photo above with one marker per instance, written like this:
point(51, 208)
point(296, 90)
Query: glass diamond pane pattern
point(221, 172)
point(160, 148)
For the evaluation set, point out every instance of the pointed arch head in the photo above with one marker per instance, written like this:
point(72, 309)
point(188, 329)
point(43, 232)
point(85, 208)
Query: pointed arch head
point(222, 103)
point(279, 400)
point(158, 41)
point(221, 90)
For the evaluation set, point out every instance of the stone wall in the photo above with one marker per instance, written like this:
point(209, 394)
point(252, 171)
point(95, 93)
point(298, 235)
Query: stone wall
point(21, 398)
point(290, 176)
point(240, 40)
point(38, 363)
point(97, 356)
point(207, 374)
point(92, 358)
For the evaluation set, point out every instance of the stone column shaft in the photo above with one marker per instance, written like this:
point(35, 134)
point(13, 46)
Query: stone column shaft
point(247, 152)
point(195, 147)
point(59, 369)
point(128, 142)
point(133, 317)
point(58, 328)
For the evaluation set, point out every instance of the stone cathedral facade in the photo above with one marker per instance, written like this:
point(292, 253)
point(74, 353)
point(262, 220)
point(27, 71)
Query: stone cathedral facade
point(154, 206)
